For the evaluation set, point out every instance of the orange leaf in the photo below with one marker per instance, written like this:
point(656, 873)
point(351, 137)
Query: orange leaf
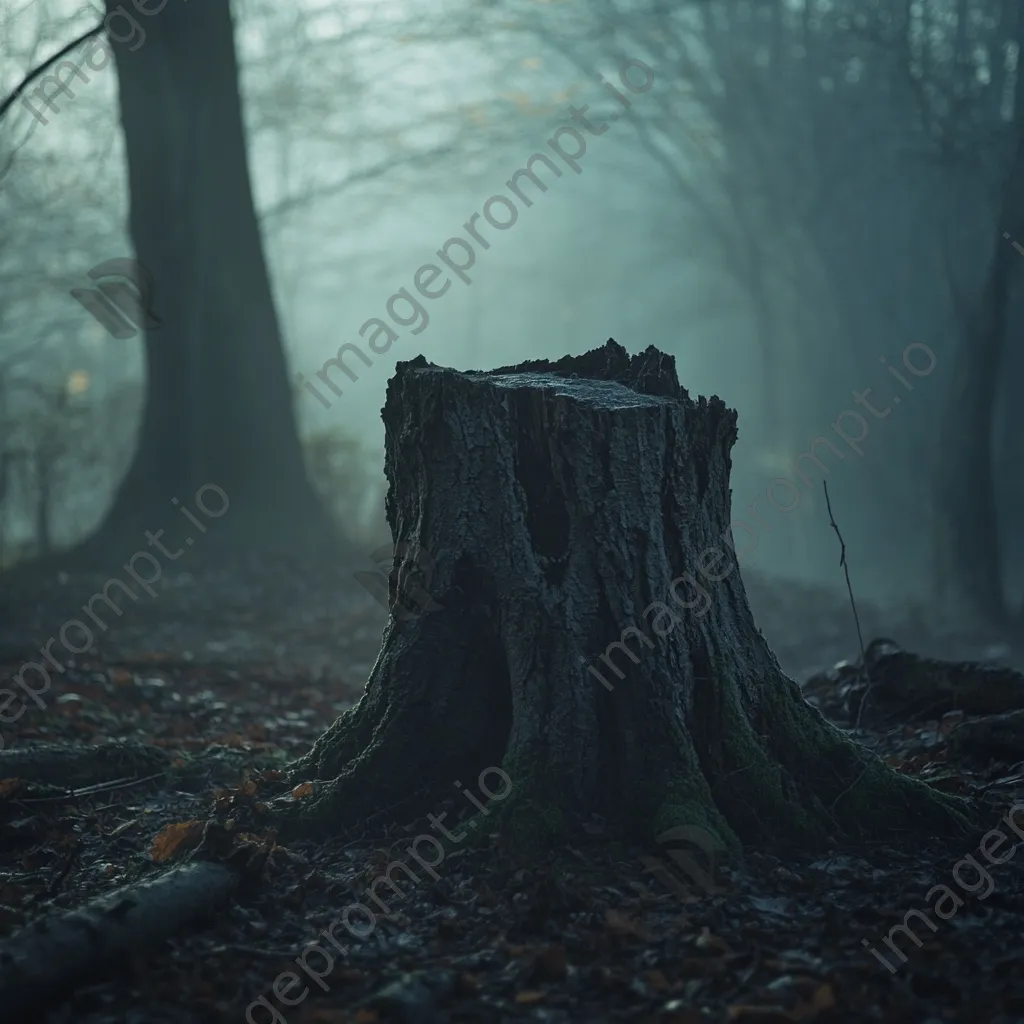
point(301, 790)
point(746, 1011)
point(8, 787)
point(707, 941)
point(823, 999)
point(656, 980)
point(530, 996)
point(551, 964)
point(622, 924)
point(172, 838)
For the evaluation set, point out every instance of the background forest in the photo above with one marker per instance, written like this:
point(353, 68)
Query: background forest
point(219, 223)
point(807, 188)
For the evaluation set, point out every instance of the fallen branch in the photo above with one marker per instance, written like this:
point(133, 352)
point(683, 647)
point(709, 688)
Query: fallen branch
point(57, 764)
point(994, 736)
point(99, 788)
point(49, 958)
point(918, 685)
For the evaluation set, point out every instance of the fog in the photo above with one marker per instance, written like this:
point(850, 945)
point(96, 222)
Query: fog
point(802, 191)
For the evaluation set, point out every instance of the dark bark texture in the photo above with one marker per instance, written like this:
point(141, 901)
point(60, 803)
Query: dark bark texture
point(218, 406)
point(563, 503)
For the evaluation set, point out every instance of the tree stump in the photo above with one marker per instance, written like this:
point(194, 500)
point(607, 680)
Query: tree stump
point(593, 636)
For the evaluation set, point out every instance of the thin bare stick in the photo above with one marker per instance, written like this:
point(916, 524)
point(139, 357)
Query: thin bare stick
point(853, 604)
point(97, 788)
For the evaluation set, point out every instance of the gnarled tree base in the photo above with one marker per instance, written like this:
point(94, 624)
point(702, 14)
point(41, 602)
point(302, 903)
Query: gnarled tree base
point(594, 638)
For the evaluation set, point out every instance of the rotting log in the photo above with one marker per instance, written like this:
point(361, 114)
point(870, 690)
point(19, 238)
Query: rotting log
point(48, 958)
point(919, 685)
point(568, 508)
point(991, 737)
point(62, 764)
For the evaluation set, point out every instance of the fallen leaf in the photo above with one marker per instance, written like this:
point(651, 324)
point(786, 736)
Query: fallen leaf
point(622, 924)
point(765, 1014)
point(302, 789)
point(656, 980)
point(711, 942)
point(551, 964)
point(699, 965)
point(823, 999)
point(529, 996)
point(172, 838)
point(8, 787)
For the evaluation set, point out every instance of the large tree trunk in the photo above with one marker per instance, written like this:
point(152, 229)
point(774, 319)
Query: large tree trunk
point(219, 409)
point(572, 510)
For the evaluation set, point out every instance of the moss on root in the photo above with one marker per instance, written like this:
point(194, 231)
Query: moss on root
point(778, 775)
point(528, 828)
point(803, 781)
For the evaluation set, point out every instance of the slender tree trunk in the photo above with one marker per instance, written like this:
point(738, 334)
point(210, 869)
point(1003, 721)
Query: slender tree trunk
point(44, 497)
point(967, 533)
point(218, 408)
point(968, 542)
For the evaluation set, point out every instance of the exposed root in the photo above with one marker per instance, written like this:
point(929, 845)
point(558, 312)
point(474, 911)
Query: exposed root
point(799, 780)
point(431, 713)
point(74, 767)
point(504, 478)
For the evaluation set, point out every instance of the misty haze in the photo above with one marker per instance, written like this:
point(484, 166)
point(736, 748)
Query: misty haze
point(508, 510)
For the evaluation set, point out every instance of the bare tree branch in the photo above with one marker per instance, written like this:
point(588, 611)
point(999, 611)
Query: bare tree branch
point(40, 68)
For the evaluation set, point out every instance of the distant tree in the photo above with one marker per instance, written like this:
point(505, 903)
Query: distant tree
point(348, 480)
point(960, 67)
point(751, 120)
point(969, 537)
point(218, 402)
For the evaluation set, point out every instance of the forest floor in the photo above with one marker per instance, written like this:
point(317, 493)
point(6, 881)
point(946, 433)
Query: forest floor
point(259, 670)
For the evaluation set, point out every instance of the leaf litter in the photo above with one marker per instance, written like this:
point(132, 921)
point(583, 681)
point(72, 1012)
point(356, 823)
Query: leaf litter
point(583, 934)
